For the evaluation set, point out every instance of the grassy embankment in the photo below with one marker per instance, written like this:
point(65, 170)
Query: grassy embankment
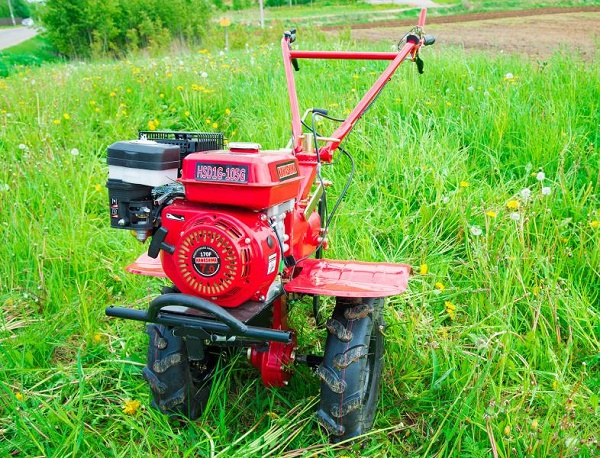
point(483, 174)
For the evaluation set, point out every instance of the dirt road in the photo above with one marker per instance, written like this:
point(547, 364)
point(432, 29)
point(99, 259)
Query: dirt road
point(535, 33)
point(15, 35)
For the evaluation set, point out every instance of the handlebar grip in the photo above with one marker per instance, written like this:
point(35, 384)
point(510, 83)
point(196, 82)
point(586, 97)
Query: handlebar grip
point(428, 40)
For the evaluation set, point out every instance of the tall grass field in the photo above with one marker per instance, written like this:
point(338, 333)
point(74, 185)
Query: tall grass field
point(482, 174)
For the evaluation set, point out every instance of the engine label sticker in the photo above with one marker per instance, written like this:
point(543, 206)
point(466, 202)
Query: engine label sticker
point(287, 170)
point(222, 173)
point(272, 264)
point(206, 261)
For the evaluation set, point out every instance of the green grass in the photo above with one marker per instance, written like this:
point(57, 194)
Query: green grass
point(440, 159)
point(33, 52)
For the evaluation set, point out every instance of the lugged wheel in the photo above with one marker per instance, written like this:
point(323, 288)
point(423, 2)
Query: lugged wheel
point(351, 369)
point(180, 387)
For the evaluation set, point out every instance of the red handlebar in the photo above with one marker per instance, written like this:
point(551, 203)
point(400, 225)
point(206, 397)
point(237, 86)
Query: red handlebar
point(326, 152)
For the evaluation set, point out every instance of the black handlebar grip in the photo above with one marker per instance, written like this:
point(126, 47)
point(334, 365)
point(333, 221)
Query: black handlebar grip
point(428, 40)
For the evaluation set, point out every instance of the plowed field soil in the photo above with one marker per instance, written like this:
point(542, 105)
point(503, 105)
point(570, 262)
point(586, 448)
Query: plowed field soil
point(535, 33)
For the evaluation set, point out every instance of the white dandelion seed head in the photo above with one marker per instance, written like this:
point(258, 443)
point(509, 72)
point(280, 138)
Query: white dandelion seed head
point(204, 75)
point(546, 191)
point(540, 176)
point(525, 193)
point(509, 76)
point(515, 216)
point(23, 146)
point(470, 89)
point(476, 231)
point(4, 187)
point(486, 93)
point(75, 152)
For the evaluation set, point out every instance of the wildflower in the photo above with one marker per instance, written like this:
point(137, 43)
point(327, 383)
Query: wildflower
point(161, 95)
point(595, 224)
point(203, 51)
point(180, 88)
point(4, 187)
point(423, 269)
point(515, 216)
point(546, 191)
point(491, 214)
point(464, 184)
point(204, 75)
point(207, 121)
point(19, 396)
point(56, 121)
point(526, 193)
point(555, 385)
point(187, 113)
point(476, 231)
point(470, 89)
point(534, 425)
point(508, 77)
point(74, 152)
point(98, 187)
point(536, 291)
point(439, 286)
point(227, 111)
point(131, 407)
point(23, 146)
point(540, 176)
point(507, 430)
point(513, 204)
point(97, 337)
point(449, 104)
point(215, 125)
point(113, 94)
point(450, 309)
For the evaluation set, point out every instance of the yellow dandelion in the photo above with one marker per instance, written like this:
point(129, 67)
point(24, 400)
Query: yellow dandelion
point(187, 113)
point(92, 102)
point(513, 204)
point(19, 396)
point(113, 94)
point(66, 116)
point(207, 121)
point(464, 184)
point(595, 224)
point(424, 268)
point(180, 88)
point(203, 51)
point(440, 286)
point(151, 125)
point(97, 337)
point(56, 121)
point(98, 187)
point(450, 309)
point(131, 407)
point(169, 75)
point(161, 95)
point(449, 104)
point(227, 111)
point(507, 430)
point(536, 291)
point(491, 214)
point(215, 125)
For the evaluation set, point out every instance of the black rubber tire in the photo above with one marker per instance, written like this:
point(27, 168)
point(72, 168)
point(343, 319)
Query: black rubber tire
point(351, 369)
point(179, 386)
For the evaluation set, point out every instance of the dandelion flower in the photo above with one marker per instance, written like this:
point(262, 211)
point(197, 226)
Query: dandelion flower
point(464, 184)
point(97, 337)
point(450, 309)
point(74, 152)
point(526, 193)
point(186, 113)
point(476, 231)
point(439, 286)
point(513, 204)
point(23, 146)
point(423, 269)
point(19, 396)
point(509, 76)
point(227, 111)
point(595, 224)
point(491, 214)
point(540, 176)
point(515, 216)
point(98, 187)
point(215, 125)
point(56, 121)
point(131, 407)
point(546, 191)
point(204, 75)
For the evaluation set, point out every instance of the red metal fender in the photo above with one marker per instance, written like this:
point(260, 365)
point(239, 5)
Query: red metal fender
point(326, 277)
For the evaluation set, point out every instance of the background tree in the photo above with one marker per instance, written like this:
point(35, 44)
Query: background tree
point(81, 28)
